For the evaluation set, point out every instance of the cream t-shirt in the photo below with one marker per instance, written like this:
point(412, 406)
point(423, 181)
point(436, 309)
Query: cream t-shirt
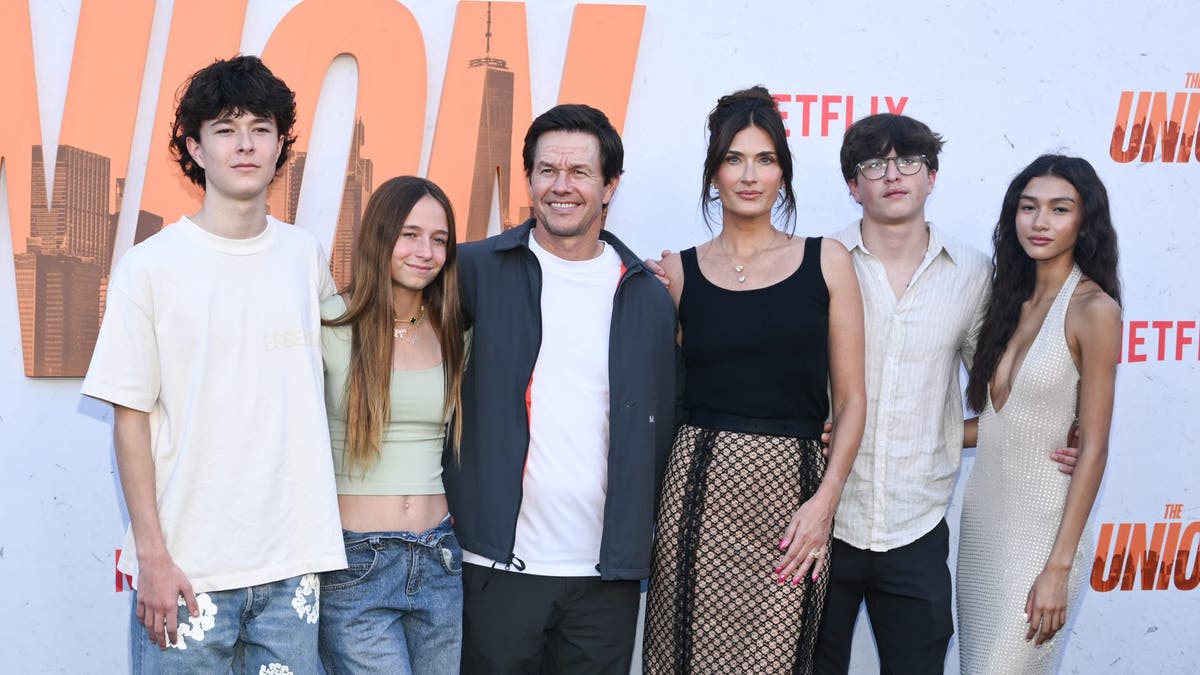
point(218, 339)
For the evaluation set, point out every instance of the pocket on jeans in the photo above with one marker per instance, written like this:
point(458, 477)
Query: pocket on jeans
point(451, 555)
point(361, 559)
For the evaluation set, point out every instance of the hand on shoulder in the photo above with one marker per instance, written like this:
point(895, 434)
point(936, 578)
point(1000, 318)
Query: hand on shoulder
point(670, 272)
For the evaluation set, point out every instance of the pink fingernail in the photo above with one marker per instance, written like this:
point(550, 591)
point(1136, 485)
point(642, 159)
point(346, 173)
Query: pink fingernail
point(782, 544)
point(814, 578)
point(795, 579)
point(778, 569)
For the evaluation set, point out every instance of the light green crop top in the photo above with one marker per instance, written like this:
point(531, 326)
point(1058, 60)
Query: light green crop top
point(410, 461)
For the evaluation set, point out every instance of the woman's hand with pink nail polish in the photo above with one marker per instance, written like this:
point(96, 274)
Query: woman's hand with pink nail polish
point(808, 532)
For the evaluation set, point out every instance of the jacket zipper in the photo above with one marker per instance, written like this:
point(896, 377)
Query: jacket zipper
point(627, 273)
point(512, 558)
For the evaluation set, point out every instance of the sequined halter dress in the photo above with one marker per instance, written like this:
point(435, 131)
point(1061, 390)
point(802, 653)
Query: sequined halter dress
point(1013, 505)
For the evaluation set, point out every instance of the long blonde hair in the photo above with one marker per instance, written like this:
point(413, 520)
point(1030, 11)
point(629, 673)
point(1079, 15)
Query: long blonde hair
point(370, 315)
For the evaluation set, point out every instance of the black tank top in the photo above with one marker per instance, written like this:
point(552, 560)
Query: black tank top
point(760, 354)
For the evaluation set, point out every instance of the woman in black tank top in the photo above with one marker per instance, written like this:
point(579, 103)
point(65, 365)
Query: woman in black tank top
point(771, 329)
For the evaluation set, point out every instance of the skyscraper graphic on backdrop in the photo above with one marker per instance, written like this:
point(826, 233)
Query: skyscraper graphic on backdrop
point(283, 200)
point(283, 197)
point(355, 193)
point(493, 151)
point(76, 220)
point(60, 310)
point(67, 256)
point(293, 176)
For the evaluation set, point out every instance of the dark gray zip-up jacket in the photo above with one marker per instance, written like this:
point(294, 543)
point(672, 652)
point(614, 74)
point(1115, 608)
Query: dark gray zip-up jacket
point(501, 284)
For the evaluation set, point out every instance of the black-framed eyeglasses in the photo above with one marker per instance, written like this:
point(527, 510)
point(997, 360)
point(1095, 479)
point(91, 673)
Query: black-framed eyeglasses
point(876, 167)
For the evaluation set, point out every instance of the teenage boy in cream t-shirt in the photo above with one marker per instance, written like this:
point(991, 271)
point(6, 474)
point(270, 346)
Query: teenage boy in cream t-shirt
point(209, 354)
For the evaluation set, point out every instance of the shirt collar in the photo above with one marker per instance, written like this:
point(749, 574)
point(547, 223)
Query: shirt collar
point(938, 242)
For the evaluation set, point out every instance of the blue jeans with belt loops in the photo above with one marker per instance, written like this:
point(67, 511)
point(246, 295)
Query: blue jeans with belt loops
point(397, 607)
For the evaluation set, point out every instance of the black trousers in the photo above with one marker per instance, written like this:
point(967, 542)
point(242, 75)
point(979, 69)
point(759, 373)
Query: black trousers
point(908, 596)
point(525, 623)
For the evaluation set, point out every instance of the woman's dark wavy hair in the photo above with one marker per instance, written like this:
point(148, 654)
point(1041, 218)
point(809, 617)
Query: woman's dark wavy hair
point(1014, 272)
point(741, 109)
point(239, 85)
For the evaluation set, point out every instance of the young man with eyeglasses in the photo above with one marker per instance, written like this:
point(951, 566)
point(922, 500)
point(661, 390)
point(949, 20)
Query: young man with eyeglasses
point(923, 295)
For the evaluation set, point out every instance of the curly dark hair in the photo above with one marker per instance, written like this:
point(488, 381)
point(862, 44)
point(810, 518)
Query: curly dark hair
point(753, 107)
point(1014, 272)
point(242, 84)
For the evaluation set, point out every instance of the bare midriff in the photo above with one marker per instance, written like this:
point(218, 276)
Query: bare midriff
point(392, 513)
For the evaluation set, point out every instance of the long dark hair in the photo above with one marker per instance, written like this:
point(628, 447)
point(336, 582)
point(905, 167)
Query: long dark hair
point(1014, 272)
point(753, 107)
point(370, 314)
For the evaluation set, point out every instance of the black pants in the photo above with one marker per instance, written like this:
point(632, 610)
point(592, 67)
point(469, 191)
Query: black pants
point(908, 596)
point(525, 623)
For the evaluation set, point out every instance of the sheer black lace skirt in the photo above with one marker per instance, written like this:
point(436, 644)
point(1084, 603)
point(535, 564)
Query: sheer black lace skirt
point(715, 604)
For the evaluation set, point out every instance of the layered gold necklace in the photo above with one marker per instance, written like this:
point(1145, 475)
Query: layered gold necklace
point(400, 331)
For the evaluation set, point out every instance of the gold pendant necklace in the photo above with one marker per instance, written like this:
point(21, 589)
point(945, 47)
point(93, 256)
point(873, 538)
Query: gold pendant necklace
point(400, 331)
point(738, 268)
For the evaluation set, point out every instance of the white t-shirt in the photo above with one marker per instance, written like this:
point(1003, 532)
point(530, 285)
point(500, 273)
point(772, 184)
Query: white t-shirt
point(218, 339)
point(566, 470)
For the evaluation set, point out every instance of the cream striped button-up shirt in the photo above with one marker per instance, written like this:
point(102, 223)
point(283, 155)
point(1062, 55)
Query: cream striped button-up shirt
point(901, 481)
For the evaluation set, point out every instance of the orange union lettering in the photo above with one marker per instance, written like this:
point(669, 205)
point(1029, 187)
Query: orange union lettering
point(1162, 555)
point(1149, 125)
